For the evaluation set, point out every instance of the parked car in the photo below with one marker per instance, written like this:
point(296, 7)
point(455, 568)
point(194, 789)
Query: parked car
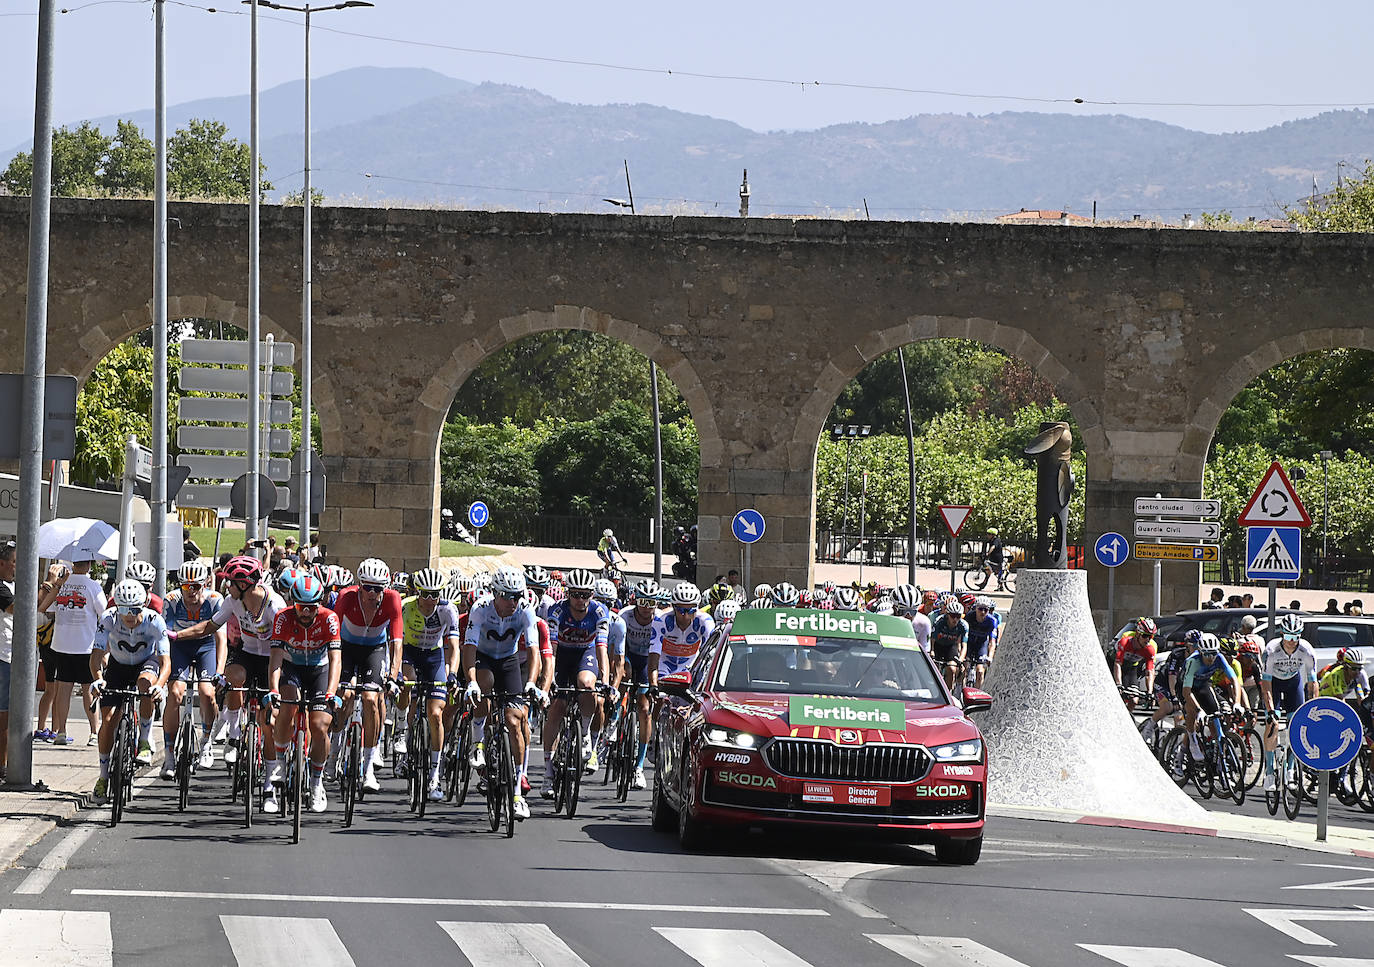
point(798, 717)
point(1329, 633)
point(1219, 621)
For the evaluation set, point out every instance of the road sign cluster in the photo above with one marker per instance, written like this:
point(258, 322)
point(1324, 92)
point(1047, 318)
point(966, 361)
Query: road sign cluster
point(1151, 514)
point(1273, 519)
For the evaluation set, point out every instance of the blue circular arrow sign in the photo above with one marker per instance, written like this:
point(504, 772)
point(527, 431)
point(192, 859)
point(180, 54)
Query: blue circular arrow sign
point(1325, 733)
point(478, 515)
point(1112, 550)
point(748, 526)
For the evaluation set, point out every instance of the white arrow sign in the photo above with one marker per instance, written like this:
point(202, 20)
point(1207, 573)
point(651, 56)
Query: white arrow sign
point(1360, 883)
point(748, 527)
point(1176, 507)
point(1187, 530)
point(1286, 922)
point(1311, 750)
point(1325, 713)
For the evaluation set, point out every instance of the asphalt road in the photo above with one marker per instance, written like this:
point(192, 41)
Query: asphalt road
point(604, 889)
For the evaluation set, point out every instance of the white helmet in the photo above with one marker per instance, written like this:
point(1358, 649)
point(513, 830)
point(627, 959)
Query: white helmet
point(374, 571)
point(983, 601)
point(130, 596)
point(509, 581)
point(726, 610)
point(760, 603)
point(194, 572)
point(906, 596)
point(1209, 646)
point(763, 590)
point(429, 579)
point(580, 579)
point(785, 595)
point(847, 599)
point(141, 571)
point(604, 590)
point(607, 533)
point(685, 595)
point(1290, 624)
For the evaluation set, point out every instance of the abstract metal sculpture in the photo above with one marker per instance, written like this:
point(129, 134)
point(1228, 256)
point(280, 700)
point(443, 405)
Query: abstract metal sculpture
point(1053, 487)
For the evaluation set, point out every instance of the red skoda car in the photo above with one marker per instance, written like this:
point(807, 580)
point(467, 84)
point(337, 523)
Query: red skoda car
point(825, 718)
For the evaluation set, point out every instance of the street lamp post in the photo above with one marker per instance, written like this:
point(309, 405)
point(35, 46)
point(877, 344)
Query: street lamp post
point(1325, 455)
point(303, 452)
point(849, 432)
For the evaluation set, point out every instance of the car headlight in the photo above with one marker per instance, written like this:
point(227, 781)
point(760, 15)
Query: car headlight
point(731, 738)
point(970, 751)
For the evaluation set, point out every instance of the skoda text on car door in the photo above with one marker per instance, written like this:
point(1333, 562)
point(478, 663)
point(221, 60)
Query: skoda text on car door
point(821, 717)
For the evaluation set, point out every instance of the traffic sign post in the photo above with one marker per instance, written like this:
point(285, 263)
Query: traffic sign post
point(1325, 734)
point(954, 516)
point(1177, 552)
point(1111, 551)
point(1273, 504)
point(748, 527)
point(1157, 508)
point(478, 515)
point(1179, 529)
point(1176, 507)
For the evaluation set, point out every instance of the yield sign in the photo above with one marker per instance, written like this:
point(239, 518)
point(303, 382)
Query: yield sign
point(955, 515)
point(1275, 502)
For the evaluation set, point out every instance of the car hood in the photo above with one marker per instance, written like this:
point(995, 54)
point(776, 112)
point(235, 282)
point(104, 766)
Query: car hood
point(767, 714)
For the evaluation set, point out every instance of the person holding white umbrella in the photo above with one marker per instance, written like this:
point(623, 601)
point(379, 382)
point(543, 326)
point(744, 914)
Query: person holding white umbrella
point(76, 602)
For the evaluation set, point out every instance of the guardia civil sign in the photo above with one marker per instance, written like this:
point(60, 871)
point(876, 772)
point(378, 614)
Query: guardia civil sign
point(853, 713)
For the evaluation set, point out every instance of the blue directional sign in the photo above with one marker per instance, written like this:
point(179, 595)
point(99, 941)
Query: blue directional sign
point(1112, 549)
point(1273, 553)
point(1325, 733)
point(478, 515)
point(747, 526)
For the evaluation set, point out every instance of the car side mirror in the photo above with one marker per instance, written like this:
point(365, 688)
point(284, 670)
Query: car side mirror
point(976, 700)
point(678, 685)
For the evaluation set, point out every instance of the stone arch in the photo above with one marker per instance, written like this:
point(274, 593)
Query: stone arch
point(443, 386)
point(1197, 437)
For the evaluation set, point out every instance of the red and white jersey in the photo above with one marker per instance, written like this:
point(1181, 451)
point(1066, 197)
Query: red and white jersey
point(306, 645)
point(356, 629)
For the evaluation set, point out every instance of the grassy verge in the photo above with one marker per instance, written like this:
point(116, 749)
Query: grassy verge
point(232, 539)
point(464, 549)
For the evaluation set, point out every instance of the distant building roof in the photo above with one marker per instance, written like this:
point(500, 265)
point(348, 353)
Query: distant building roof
point(1041, 216)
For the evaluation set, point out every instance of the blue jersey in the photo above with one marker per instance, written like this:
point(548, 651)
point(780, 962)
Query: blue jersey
point(498, 637)
point(591, 630)
point(639, 639)
point(178, 615)
point(980, 632)
point(132, 646)
point(1199, 673)
point(615, 635)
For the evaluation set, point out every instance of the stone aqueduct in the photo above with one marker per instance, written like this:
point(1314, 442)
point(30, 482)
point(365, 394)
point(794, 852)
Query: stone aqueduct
point(1147, 335)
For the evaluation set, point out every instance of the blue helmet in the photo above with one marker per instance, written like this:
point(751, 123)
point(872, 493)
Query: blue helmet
point(305, 589)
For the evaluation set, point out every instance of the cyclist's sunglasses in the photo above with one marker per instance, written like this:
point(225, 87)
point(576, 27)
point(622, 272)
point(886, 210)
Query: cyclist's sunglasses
point(313, 606)
point(580, 595)
point(645, 602)
point(508, 595)
point(429, 594)
point(131, 609)
point(374, 588)
point(684, 608)
point(191, 585)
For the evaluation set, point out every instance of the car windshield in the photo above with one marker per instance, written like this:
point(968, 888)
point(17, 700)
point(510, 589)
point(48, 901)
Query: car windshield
point(831, 666)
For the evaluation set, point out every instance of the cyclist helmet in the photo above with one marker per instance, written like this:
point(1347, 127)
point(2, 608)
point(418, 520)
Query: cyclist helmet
point(1249, 646)
point(952, 606)
point(284, 581)
point(846, 599)
point(647, 590)
point(763, 590)
point(536, 576)
point(374, 571)
point(785, 595)
point(400, 581)
point(686, 595)
point(882, 605)
point(581, 580)
point(608, 533)
point(828, 587)
point(983, 601)
point(726, 610)
point(194, 572)
point(464, 584)
point(556, 577)
point(930, 597)
point(429, 579)
point(665, 597)
point(346, 578)
point(760, 603)
point(719, 592)
point(305, 589)
point(1145, 626)
point(1209, 646)
point(141, 571)
point(130, 596)
point(968, 599)
point(243, 568)
point(605, 590)
point(1228, 647)
point(992, 531)
point(1192, 637)
point(509, 581)
point(1290, 625)
point(906, 596)
point(1350, 656)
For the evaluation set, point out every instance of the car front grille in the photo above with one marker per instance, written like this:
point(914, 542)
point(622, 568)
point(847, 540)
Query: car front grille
point(792, 806)
point(815, 759)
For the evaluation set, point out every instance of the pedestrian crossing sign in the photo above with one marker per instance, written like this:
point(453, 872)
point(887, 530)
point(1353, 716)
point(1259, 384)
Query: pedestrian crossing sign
point(1273, 553)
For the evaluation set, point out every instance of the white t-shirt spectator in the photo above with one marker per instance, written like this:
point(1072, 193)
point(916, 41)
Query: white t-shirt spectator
point(76, 613)
point(6, 620)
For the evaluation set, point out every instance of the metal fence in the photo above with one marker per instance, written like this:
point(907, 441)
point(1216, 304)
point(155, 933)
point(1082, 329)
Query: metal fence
point(1342, 574)
point(558, 530)
point(931, 549)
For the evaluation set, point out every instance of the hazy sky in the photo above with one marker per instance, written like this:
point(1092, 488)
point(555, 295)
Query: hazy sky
point(1166, 52)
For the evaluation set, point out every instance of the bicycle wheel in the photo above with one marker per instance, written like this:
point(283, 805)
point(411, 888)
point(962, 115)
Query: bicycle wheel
point(975, 579)
point(244, 766)
point(420, 763)
point(297, 784)
point(1273, 796)
point(114, 784)
point(352, 771)
point(629, 753)
point(495, 798)
point(185, 744)
point(560, 774)
point(1232, 766)
point(573, 765)
point(464, 760)
point(503, 768)
point(1363, 766)
point(1174, 756)
point(609, 764)
point(1252, 744)
point(1011, 580)
point(1203, 773)
point(1290, 788)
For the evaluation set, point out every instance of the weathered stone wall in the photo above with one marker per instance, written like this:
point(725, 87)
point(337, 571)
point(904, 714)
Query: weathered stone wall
point(759, 322)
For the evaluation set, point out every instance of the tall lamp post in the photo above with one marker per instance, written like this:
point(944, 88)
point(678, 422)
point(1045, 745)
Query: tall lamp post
point(849, 432)
point(304, 451)
point(1325, 455)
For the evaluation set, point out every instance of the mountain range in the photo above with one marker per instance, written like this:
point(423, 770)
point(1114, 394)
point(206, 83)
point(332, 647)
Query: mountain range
point(414, 136)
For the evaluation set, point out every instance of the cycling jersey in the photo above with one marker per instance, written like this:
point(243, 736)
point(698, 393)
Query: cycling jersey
point(1134, 648)
point(582, 633)
point(1171, 672)
point(1278, 663)
point(428, 633)
point(356, 629)
point(1198, 674)
point(179, 615)
point(544, 644)
point(310, 645)
point(945, 638)
point(498, 637)
point(606, 546)
point(639, 638)
point(256, 630)
point(1342, 682)
point(677, 647)
point(615, 635)
point(982, 634)
point(1219, 677)
point(132, 646)
point(920, 626)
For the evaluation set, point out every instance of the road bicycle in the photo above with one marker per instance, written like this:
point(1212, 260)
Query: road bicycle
point(501, 780)
point(1222, 768)
point(456, 762)
point(350, 760)
point(1288, 781)
point(624, 753)
point(294, 782)
point(120, 783)
point(567, 753)
point(414, 762)
point(184, 746)
point(976, 578)
point(246, 771)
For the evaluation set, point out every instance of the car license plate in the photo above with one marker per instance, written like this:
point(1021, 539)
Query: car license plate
point(846, 795)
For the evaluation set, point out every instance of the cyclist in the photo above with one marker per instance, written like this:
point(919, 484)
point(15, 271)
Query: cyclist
point(544, 679)
point(1135, 656)
point(429, 634)
point(370, 626)
point(609, 595)
point(785, 595)
point(579, 628)
point(130, 649)
point(930, 604)
point(1169, 682)
point(995, 558)
point(537, 581)
point(759, 603)
point(304, 669)
point(949, 639)
point(1348, 680)
point(763, 591)
point(1199, 686)
point(680, 633)
point(639, 639)
point(1250, 648)
point(607, 548)
point(192, 604)
point(906, 603)
point(720, 591)
point(984, 628)
point(846, 599)
point(145, 574)
point(490, 655)
point(1287, 678)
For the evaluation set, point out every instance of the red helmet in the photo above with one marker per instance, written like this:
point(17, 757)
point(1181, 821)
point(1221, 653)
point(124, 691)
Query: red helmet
point(243, 568)
point(1250, 646)
point(1145, 626)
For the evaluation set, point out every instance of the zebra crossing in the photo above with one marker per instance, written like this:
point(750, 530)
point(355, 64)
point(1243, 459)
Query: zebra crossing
point(86, 939)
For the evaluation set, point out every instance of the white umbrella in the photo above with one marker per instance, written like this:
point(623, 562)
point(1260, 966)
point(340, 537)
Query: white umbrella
point(77, 539)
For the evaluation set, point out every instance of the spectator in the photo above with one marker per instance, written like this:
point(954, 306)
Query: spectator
point(1357, 607)
point(1233, 601)
point(76, 603)
point(7, 566)
point(733, 579)
point(1294, 605)
point(1215, 600)
point(1348, 606)
point(289, 553)
point(190, 550)
point(312, 553)
point(1247, 600)
point(1331, 607)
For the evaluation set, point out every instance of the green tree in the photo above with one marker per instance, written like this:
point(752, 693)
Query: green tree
point(1349, 207)
point(202, 162)
point(117, 400)
point(129, 164)
point(493, 462)
point(78, 156)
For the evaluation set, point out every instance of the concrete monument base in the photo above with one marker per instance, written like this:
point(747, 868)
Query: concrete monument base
point(1058, 734)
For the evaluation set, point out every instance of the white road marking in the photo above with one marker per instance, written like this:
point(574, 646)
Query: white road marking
point(1361, 883)
point(730, 948)
point(429, 901)
point(299, 941)
point(511, 945)
point(1333, 961)
point(72, 938)
point(1286, 922)
point(943, 951)
point(60, 855)
point(1337, 866)
point(1149, 956)
point(830, 880)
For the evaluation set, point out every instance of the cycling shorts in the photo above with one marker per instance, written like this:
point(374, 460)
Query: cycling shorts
point(639, 668)
point(1131, 674)
point(1287, 693)
point(976, 650)
point(1161, 688)
point(430, 669)
point(311, 681)
point(569, 662)
point(123, 676)
point(1207, 699)
point(945, 651)
point(254, 667)
point(368, 662)
point(199, 655)
point(505, 673)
